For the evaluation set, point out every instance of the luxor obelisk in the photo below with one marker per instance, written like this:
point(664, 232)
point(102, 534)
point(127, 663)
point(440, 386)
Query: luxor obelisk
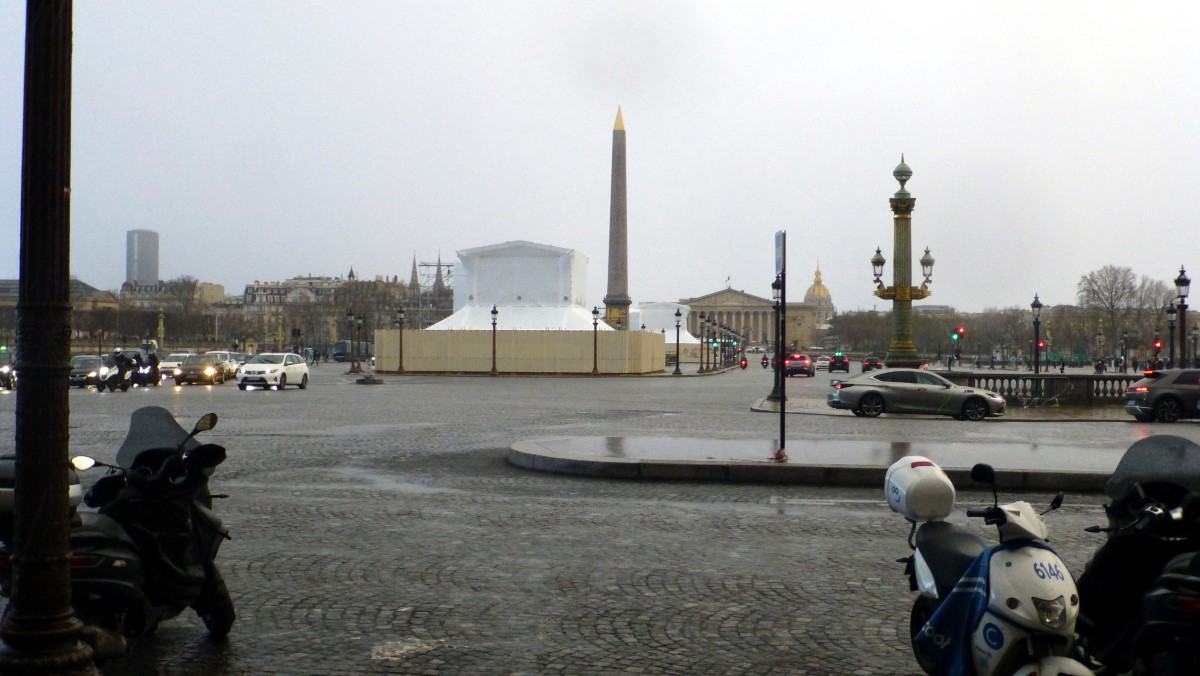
point(616, 301)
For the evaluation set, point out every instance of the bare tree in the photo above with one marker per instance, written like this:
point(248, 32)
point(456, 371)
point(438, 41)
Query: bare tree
point(1110, 291)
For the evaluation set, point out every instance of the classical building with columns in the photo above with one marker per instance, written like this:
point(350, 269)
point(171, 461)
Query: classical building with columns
point(806, 323)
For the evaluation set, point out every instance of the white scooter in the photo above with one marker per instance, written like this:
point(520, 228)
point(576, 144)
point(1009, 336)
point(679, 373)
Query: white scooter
point(983, 609)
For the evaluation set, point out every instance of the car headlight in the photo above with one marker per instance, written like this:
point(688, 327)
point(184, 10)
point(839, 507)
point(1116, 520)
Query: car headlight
point(5, 369)
point(91, 374)
point(1053, 614)
point(208, 370)
point(178, 371)
point(104, 370)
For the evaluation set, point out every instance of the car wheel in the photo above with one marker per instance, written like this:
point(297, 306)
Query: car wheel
point(304, 382)
point(871, 405)
point(974, 409)
point(241, 386)
point(179, 382)
point(282, 382)
point(1167, 410)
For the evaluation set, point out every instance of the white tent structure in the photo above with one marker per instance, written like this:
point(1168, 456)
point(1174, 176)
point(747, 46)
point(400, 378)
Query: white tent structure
point(660, 318)
point(534, 287)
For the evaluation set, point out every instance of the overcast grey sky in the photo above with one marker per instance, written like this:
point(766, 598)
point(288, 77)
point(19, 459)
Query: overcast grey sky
point(264, 140)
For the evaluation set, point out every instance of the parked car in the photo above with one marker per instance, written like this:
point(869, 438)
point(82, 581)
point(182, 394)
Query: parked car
point(822, 362)
point(901, 390)
point(85, 370)
point(274, 369)
point(871, 363)
point(200, 368)
point(798, 365)
point(839, 362)
point(1164, 396)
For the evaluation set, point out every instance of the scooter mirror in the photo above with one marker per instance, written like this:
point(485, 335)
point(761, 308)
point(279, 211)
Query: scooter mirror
point(1057, 501)
point(82, 462)
point(205, 423)
point(983, 473)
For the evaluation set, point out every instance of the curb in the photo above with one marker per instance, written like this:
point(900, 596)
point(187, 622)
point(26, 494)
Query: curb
point(534, 456)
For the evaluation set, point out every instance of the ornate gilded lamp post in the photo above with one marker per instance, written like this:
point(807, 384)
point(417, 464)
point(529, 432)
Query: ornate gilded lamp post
point(1036, 307)
point(1182, 284)
point(596, 340)
point(678, 315)
point(901, 351)
point(494, 313)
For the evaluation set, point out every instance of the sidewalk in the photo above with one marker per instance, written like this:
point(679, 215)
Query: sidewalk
point(1018, 465)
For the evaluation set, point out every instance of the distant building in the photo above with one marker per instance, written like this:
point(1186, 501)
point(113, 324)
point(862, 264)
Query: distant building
point(141, 257)
point(171, 295)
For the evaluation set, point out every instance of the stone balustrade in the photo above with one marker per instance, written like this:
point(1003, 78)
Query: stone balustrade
point(1049, 388)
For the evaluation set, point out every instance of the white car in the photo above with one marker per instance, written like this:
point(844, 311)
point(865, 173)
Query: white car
point(273, 369)
point(168, 364)
point(823, 363)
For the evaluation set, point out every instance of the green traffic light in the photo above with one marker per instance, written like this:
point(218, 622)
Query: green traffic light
point(953, 336)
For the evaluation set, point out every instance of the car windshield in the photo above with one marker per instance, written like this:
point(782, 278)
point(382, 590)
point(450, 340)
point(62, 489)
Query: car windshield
point(177, 356)
point(1160, 458)
point(266, 359)
point(85, 362)
point(199, 359)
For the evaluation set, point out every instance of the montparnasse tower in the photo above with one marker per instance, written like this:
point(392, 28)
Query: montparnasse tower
point(616, 301)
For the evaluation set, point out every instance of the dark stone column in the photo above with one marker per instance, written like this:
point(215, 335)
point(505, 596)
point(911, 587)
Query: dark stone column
point(39, 629)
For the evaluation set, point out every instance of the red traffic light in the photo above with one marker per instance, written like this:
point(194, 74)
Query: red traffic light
point(1041, 344)
point(1158, 344)
point(962, 330)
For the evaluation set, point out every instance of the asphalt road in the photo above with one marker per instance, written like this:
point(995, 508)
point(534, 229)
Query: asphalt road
point(379, 530)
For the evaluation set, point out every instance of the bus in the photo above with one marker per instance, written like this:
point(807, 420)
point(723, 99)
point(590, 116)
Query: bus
point(343, 350)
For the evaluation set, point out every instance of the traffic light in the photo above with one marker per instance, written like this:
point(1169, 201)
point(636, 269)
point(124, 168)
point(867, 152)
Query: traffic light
point(954, 335)
point(1157, 346)
point(1041, 344)
point(962, 330)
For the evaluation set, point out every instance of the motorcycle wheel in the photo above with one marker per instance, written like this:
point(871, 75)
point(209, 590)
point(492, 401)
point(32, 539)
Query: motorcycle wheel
point(922, 610)
point(125, 387)
point(214, 606)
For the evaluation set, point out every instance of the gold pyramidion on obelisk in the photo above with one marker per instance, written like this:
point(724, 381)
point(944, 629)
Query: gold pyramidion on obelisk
point(616, 301)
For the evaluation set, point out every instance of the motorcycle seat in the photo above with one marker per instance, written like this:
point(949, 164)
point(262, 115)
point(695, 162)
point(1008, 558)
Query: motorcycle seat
point(948, 550)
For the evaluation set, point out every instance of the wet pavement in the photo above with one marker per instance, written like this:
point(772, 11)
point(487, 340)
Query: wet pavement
point(382, 530)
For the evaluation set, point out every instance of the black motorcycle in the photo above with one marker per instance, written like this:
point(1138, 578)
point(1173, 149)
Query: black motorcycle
point(1140, 593)
point(765, 362)
point(148, 552)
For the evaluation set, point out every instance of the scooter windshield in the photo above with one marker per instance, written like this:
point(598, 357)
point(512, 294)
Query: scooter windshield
point(152, 428)
point(1162, 458)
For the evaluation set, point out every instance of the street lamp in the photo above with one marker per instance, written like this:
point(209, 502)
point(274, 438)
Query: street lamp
point(400, 325)
point(595, 339)
point(1036, 307)
point(494, 313)
point(1182, 284)
point(1100, 342)
point(701, 330)
point(901, 350)
point(352, 323)
point(678, 315)
point(1171, 334)
point(1124, 350)
point(777, 298)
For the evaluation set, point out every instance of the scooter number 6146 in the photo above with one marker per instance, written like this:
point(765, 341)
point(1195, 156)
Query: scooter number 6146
point(1046, 571)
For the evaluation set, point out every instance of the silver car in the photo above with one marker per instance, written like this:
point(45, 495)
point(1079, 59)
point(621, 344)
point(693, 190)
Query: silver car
point(912, 391)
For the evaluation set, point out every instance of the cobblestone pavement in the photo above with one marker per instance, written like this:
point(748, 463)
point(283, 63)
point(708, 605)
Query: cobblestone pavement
point(378, 530)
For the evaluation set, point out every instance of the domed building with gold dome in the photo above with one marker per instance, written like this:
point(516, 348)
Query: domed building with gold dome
point(806, 323)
